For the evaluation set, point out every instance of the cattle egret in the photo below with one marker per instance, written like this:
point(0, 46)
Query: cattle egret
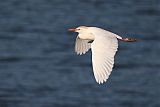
point(103, 45)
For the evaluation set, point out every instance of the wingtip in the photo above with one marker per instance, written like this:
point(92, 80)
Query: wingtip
point(101, 81)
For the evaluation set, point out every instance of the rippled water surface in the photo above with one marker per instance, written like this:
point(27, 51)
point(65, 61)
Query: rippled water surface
point(38, 66)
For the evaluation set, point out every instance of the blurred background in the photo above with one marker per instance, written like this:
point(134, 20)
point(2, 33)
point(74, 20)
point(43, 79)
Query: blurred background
point(38, 65)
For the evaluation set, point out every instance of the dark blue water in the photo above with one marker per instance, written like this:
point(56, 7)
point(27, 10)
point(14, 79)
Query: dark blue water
point(38, 66)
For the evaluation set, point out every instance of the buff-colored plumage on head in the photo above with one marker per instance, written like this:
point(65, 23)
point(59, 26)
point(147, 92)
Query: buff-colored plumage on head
point(78, 29)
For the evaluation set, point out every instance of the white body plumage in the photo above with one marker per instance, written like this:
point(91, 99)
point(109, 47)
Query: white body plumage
point(104, 47)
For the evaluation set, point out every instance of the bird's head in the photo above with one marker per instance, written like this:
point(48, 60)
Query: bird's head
point(81, 29)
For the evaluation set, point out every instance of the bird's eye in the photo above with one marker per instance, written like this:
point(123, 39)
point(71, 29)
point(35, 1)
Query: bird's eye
point(78, 29)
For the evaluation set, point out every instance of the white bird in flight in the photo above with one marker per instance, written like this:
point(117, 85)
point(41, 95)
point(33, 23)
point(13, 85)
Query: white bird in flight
point(103, 45)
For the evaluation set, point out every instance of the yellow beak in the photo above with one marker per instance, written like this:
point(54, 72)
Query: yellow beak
point(72, 29)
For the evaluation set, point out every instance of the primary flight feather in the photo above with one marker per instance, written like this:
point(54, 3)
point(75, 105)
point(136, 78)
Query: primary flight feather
point(103, 44)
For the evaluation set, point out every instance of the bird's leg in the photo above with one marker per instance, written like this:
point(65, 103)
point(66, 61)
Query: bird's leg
point(128, 39)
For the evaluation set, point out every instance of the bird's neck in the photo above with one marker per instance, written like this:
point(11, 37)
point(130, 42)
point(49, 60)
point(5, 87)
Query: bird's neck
point(86, 36)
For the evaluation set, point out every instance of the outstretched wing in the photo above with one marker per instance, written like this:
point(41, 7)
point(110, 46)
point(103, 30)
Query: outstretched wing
point(82, 46)
point(103, 51)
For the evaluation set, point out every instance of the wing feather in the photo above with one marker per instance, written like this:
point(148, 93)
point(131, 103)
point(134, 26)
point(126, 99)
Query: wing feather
point(82, 46)
point(103, 51)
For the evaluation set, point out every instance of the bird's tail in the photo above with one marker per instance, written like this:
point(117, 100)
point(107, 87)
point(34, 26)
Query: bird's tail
point(128, 39)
